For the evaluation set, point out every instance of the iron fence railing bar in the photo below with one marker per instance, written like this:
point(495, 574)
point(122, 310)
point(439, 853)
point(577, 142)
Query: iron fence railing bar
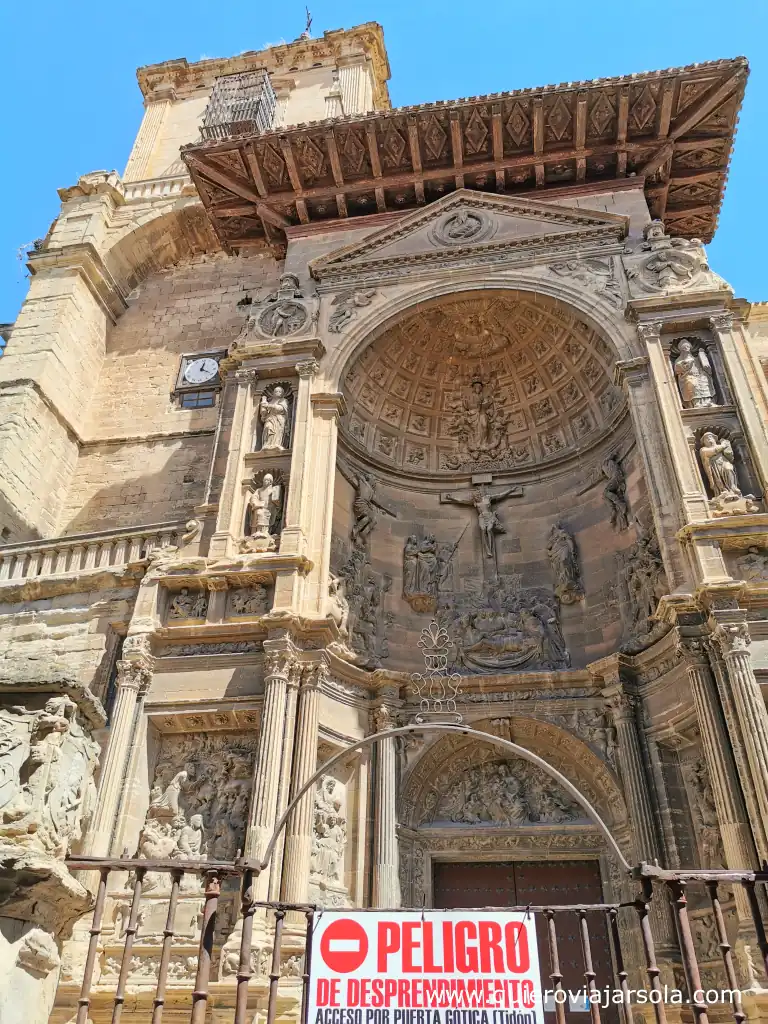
point(642, 904)
point(244, 972)
point(90, 961)
point(165, 957)
point(618, 958)
point(274, 974)
point(685, 937)
point(307, 968)
point(757, 918)
point(130, 934)
point(726, 951)
point(556, 975)
point(207, 930)
point(589, 968)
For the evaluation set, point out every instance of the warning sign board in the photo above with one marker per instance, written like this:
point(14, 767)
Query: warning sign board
point(459, 967)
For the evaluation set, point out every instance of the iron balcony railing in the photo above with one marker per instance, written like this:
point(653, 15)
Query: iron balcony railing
point(241, 104)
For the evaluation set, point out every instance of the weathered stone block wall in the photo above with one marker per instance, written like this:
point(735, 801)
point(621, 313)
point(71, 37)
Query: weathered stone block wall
point(158, 472)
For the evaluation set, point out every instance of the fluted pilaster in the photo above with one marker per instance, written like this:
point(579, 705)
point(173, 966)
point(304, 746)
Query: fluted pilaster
point(133, 679)
point(386, 869)
point(733, 640)
point(266, 772)
point(298, 837)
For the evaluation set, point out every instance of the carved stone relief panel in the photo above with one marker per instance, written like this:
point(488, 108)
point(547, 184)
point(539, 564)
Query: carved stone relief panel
point(329, 841)
point(642, 581)
point(198, 801)
point(704, 813)
point(491, 381)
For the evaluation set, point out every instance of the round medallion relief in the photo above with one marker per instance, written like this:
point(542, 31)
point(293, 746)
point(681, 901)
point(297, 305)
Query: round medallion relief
point(463, 226)
point(481, 382)
point(281, 318)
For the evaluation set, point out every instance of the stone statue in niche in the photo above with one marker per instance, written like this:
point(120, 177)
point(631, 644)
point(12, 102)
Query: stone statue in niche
point(339, 605)
point(188, 606)
point(718, 459)
point(330, 832)
point(420, 572)
point(274, 416)
point(564, 559)
point(47, 763)
point(643, 581)
point(754, 565)
point(507, 793)
point(263, 512)
point(693, 371)
point(198, 805)
point(615, 492)
point(503, 628)
point(480, 427)
point(482, 499)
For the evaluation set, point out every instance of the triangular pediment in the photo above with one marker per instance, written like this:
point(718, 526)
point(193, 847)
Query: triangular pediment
point(471, 226)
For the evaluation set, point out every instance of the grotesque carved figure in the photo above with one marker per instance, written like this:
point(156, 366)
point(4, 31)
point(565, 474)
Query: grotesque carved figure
point(718, 459)
point(561, 549)
point(264, 509)
point(694, 376)
point(47, 761)
point(274, 412)
point(615, 492)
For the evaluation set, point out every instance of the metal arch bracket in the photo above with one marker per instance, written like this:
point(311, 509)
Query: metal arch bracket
point(461, 730)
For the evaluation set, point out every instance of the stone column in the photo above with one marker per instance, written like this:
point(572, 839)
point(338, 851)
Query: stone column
point(298, 835)
point(386, 867)
point(633, 376)
point(726, 791)
point(286, 765)
point(228, 458)
point(133, 678)
point(733, 640)
point(636, 791)
point(293, 537)
point(138, 164)
point(266, 772)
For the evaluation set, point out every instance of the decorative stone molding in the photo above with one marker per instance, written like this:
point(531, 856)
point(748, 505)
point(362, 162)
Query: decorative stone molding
point(83, 259)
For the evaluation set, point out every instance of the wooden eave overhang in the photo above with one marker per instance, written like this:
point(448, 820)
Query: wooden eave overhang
point(672, 129)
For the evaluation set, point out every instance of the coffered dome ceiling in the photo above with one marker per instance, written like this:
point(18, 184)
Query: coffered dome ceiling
point(501, 380)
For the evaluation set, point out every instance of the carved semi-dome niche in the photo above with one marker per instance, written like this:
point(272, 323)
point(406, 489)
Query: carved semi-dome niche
point(499, 379)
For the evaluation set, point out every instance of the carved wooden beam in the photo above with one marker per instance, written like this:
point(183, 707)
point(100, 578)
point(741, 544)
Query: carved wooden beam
point(240, 186)
point(295, 179)
point(580, 136)
point(538, 139)
point(498, 146)
point(456, 148)
point(413, 140)
point(253, 165)
point(373, 156)
point(621, 132)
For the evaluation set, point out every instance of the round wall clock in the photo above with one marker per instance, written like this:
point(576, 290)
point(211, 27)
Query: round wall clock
point(200, 371)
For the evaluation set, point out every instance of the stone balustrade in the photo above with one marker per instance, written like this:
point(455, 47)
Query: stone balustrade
point(151, 188)
point(81, 552)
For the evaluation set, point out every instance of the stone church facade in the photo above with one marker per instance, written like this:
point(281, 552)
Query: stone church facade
point(315, 376)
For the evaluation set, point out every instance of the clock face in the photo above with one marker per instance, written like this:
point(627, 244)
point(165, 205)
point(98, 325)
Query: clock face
point(199, 371)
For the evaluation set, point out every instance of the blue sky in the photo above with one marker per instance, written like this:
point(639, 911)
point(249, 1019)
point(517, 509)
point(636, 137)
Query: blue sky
point(72, 104)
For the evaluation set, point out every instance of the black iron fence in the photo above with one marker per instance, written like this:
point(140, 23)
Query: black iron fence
point(590, 922)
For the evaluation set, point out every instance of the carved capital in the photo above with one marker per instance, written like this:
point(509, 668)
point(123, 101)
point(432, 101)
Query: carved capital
point(217, 583)
point(277, 664)
point(133, 675)
point(649, 330)
point(693, 649)
point(631, 373)
point(137, 646)
point(383, 718)
point(732, 637)
point(314, 676)
point(621, 704)
point(307, 369)
point(245, 378)
point(721, 322)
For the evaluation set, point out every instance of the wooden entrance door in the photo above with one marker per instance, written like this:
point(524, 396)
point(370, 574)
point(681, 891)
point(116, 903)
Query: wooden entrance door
point(541, 883)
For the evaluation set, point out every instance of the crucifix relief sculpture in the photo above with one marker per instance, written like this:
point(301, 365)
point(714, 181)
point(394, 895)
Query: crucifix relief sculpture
point(482, 499)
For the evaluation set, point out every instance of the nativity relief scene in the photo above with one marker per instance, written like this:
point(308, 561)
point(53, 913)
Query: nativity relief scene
point(435, 573)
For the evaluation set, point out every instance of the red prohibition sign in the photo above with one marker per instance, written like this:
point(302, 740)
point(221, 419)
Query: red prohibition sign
point(344, 945)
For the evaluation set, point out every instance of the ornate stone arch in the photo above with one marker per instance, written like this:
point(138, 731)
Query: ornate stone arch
point(561, 749)
point(396, 303)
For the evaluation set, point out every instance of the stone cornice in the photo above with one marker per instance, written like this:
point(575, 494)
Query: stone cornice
point(85, 260)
